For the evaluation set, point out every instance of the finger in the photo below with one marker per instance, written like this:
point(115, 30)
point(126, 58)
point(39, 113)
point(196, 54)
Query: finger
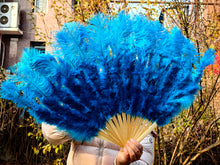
point(126, 152)
point(131, 152)
point(138, 145)
point(136, 148)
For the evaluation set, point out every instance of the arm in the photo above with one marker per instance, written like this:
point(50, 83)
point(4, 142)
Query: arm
point(53, 135)
point(135, 153)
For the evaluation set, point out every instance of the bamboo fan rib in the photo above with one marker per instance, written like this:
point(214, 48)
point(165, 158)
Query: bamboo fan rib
point(123, 127)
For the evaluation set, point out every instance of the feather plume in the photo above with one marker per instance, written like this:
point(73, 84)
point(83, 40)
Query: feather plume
point(123, 68)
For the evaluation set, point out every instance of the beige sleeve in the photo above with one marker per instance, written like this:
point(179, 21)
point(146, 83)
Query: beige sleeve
point(53, 135)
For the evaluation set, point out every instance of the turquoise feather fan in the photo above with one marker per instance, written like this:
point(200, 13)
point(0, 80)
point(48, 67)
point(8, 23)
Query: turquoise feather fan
point(111, 71)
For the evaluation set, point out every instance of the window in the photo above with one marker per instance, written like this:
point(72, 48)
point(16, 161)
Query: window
point(38, 45)
point(40, 6)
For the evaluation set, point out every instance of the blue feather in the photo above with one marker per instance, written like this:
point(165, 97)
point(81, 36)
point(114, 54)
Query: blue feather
point(111, 65)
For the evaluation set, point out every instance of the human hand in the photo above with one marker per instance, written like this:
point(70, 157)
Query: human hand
point(130, 153)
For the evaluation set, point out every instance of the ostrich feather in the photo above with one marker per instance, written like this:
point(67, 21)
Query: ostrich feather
point(112, 65)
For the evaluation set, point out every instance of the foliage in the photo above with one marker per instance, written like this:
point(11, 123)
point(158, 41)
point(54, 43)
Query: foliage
point(194, 132)
point(63, 11)
point(193, 137)
point(21, 139)
point(215, 68)
point(199, 22)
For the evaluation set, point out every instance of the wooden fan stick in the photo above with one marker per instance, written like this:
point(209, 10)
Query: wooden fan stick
point(142, 128)
point(123, 127)
point(148, 131)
